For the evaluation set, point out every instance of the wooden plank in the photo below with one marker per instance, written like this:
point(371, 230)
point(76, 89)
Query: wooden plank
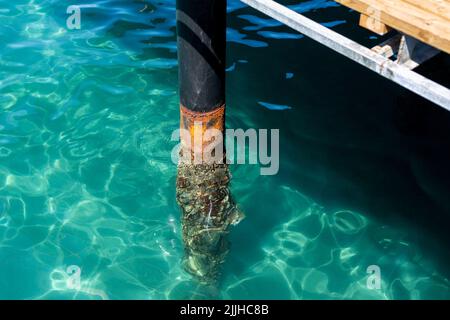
point(438, 7)
point(407, 18)
point(373, 25)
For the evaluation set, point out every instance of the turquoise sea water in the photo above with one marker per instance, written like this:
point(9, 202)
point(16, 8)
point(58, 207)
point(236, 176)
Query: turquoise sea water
point(86, 177)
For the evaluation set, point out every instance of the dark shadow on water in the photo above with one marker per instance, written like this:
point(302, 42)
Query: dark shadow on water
point(352, 139)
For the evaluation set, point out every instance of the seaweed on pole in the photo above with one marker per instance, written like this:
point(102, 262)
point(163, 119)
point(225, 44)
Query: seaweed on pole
point(207, 213)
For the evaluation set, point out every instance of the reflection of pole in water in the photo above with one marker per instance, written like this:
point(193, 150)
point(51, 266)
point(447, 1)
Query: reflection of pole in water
point(202, 188)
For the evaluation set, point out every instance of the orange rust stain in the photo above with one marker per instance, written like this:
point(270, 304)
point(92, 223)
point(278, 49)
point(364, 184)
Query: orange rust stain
point(193, 120)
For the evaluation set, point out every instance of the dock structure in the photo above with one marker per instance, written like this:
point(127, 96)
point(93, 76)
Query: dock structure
point(423, 30)
point(425, 20)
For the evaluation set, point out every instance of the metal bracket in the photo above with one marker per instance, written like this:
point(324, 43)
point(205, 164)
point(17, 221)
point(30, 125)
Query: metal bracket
point(412, 52)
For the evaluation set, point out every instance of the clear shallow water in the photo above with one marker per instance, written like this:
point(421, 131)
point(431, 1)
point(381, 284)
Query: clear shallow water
point(86, 177)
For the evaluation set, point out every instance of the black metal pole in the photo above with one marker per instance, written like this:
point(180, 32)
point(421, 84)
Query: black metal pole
point(202, 188)
point(201, 28)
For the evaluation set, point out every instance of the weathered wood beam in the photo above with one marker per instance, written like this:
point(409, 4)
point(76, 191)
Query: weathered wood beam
point(373, 25)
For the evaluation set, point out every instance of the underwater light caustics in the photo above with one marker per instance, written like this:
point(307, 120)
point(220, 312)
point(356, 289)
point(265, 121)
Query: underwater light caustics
point(202, 186)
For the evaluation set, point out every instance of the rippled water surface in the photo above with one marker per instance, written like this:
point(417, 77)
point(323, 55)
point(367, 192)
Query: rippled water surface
point(86, 177)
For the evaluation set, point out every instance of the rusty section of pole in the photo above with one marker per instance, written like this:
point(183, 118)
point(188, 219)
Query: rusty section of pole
point(202, 188)
point(192, 120)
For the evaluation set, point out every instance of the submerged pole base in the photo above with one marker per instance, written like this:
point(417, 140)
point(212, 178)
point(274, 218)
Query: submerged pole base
point(207, 213)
